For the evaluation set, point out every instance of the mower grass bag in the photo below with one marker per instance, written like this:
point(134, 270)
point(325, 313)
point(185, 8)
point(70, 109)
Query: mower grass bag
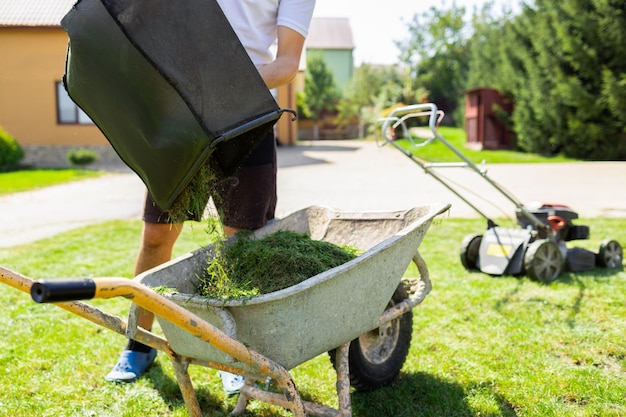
point(169, 85)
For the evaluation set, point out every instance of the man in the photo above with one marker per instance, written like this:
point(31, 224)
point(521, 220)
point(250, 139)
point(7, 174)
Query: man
point(259, 24)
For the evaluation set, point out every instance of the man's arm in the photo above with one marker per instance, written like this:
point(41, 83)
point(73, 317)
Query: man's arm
point(285, 66)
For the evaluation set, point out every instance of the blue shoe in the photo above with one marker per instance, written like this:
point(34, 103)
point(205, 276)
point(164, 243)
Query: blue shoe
point(131, 365)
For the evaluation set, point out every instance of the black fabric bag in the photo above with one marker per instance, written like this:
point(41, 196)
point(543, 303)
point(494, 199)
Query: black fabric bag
point(170, 86)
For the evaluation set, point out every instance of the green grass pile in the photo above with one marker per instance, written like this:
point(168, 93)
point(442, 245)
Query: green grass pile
point(192, 200)
point(250, 267)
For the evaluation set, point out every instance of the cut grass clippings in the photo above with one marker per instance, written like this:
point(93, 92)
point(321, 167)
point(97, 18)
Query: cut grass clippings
point(250, 267)
point(482, 346)
point(193, 198)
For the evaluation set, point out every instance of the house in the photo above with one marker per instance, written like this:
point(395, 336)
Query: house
point(331, 38)
point(34, 106)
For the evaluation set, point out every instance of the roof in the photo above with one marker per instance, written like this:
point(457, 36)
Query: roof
point(324, 32)
point(330, 33)
point(33, 12)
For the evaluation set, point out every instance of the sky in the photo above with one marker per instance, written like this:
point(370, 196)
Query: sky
point(376, 24)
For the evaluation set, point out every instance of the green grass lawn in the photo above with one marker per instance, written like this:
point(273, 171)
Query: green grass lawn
point(482, 346)
point(438, 152)
point(24, 180)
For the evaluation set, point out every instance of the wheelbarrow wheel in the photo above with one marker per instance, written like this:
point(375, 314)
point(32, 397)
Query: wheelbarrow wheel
point(610, 254)
point(470, 247)
point(376, 357)
point(543, 261)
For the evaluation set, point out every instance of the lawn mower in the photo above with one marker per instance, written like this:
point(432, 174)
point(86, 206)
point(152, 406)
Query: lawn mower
point(537, 247)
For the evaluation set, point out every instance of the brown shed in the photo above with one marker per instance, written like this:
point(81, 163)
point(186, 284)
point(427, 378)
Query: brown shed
point(483, 128)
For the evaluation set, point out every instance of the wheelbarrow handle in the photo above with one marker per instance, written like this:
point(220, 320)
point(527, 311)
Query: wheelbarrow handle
point(60, 290)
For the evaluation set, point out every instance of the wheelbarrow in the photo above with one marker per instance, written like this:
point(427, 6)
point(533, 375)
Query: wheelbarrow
point(360, 312)
point(537, 248)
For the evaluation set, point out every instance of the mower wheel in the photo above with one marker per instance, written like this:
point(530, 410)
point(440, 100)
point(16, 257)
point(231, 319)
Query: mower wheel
point(543, 261)
point(470, 247)
point(610, 254)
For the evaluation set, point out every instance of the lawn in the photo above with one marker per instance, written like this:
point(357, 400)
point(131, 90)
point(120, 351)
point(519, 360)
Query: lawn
point(438, 152)
point(28, 179)
point(482, 346)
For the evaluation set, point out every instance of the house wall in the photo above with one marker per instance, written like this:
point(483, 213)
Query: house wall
point(340, 62)
point(32, 62)
point(287, 129)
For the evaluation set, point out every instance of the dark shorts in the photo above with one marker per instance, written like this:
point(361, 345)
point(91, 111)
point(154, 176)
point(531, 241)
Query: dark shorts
point(246, 203)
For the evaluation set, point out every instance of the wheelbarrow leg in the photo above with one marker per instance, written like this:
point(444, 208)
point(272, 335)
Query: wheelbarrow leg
point(242, 402)
point(290, 399)
point(186, 388)
point(343, 380)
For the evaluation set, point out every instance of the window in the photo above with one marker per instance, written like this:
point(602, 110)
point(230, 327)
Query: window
point(67, 111)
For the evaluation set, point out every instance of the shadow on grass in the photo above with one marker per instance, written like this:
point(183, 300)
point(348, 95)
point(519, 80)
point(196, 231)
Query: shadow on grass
point(424, 395)
point(168, 389)
point(577, 279)
point(414, 395)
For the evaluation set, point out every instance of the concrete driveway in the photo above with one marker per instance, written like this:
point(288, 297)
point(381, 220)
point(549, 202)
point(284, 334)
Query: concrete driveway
point(347, 175)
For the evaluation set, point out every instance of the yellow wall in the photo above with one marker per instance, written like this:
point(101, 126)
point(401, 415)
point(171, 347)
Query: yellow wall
point(286, 128)
point(32, 61)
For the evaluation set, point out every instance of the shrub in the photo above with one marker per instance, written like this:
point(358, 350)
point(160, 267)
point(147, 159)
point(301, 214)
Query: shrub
point(11, 153)
point(82, 157)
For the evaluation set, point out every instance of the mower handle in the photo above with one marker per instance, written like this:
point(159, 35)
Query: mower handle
point(61, 290)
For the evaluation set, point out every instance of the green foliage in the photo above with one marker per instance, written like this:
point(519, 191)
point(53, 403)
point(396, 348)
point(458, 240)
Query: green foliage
point(438, 56)
point(563, 65)
point(372, 89)
point(320, 91)
point(82, 157)
point(11, 153)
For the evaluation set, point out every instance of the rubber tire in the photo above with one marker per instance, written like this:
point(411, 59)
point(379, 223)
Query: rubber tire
point(369, 371)
point(610, 255)
point(470, 251)
point(543, 261)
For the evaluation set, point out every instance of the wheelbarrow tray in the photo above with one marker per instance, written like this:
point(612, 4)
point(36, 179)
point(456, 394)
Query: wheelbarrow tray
point(298, 323)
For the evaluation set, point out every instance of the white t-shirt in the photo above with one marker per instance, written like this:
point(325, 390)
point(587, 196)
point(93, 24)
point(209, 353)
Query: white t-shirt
point(255, 22)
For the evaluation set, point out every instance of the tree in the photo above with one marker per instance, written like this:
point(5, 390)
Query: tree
point(563, 65)
point(574, 67)
point(437, 54)
point(492, 58)
point(320, 91)
point(371, 89)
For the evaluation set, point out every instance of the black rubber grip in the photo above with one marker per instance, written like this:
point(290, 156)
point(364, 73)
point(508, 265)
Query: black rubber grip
point(60, 290)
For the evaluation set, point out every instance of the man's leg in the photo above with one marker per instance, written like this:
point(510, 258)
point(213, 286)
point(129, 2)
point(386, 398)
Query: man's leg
point(157, 242)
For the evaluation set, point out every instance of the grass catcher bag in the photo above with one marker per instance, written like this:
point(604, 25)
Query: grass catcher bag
point(170, 86)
